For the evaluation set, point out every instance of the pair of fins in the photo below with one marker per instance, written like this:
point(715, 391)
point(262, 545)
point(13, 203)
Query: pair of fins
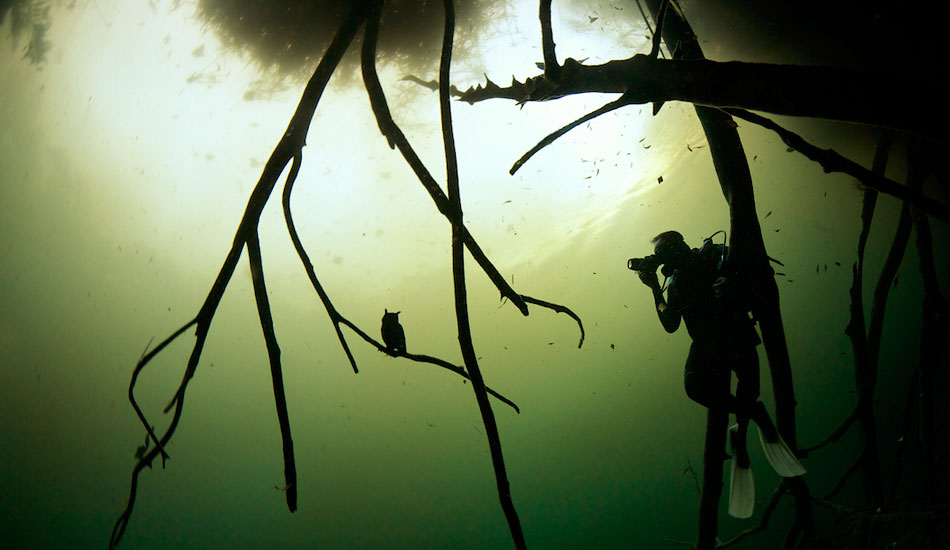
point(742, 485)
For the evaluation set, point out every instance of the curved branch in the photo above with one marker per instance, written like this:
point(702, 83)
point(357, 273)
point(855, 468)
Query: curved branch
point(763, 523)
point(559, 309)
point(835, 435)
point(622, 101)
point(335, 317)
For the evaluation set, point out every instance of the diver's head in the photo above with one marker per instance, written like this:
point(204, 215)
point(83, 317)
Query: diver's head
point(671, 249)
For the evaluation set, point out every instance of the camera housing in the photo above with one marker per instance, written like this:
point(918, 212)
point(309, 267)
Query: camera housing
point(649, 263)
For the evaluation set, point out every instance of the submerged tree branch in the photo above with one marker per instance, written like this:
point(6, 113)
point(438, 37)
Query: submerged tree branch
point(458, 278)
point(763, 523)
point(291, 142)
point(831, 161)
point(277, 377)
point(899, 101)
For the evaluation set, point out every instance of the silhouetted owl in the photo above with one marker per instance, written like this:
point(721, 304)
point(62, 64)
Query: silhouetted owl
point(393, 335)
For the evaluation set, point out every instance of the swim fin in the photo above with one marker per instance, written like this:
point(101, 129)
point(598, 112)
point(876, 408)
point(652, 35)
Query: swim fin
point(741, 492)
point(781, 458)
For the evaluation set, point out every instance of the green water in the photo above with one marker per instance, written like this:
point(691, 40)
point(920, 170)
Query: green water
point(121, 184)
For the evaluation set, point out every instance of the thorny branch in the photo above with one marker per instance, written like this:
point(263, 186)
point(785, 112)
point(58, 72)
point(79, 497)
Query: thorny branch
point(901, 102)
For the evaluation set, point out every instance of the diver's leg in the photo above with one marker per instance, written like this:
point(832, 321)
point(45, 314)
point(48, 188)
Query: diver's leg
point(742, 483)
point(746, 365)
point(702, 381)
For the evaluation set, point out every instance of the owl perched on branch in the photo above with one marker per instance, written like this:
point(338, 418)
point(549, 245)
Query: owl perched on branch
point(393, 335)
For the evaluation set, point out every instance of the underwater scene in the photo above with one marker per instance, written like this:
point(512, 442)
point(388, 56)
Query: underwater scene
point(564, 285)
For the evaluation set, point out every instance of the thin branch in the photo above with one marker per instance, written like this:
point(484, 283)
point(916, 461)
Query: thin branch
point(835, 435)
point(770, 507)
point(844, 478)
point(273, 356)
point(420, 358)
point(874, 515)
point(657, 36)
point(831, 161)
point(559, 309)
point(335, 317)
point(292, 140)
point(622, 101)
point(397, 139)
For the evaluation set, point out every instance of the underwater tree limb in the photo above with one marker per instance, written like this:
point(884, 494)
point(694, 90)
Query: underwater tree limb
point(335, 317)
point(273, 356)
point(421, 358)
point(763, 524)
point(396, 139)
point(865, 367)
point(458, 278)
point(832, 161)
point(552, 71)
point(717, 424)
point(932, 335)
point(558, 309)
point(748, 254)
point(848, 472)
point(834, 435)
point(292, 141)
point(622, 101)
point(898, 101)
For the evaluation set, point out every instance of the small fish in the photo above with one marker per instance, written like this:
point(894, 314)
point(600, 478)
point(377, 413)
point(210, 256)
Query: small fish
point(780, 273)
point(769, 214)
point(838, 264)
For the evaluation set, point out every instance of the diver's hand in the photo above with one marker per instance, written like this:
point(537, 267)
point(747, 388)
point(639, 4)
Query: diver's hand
point(649, 278)
point(722, 287)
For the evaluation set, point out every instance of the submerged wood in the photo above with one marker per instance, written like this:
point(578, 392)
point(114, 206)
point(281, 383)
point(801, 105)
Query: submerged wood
point(747, 253)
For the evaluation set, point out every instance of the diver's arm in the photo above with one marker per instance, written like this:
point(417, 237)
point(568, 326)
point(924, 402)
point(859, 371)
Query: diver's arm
point(669, 317)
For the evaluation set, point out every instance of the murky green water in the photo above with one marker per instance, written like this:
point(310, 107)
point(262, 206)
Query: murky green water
point(122, 179)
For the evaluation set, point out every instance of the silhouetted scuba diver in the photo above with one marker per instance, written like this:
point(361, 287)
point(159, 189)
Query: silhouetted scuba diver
point(704, 293)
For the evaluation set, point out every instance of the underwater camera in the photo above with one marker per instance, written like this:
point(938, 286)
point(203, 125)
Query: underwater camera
point(649, 263)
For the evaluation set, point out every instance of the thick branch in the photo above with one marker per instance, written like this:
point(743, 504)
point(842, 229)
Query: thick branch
point(552, 71)
point(466, 344)
point(899, 101)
